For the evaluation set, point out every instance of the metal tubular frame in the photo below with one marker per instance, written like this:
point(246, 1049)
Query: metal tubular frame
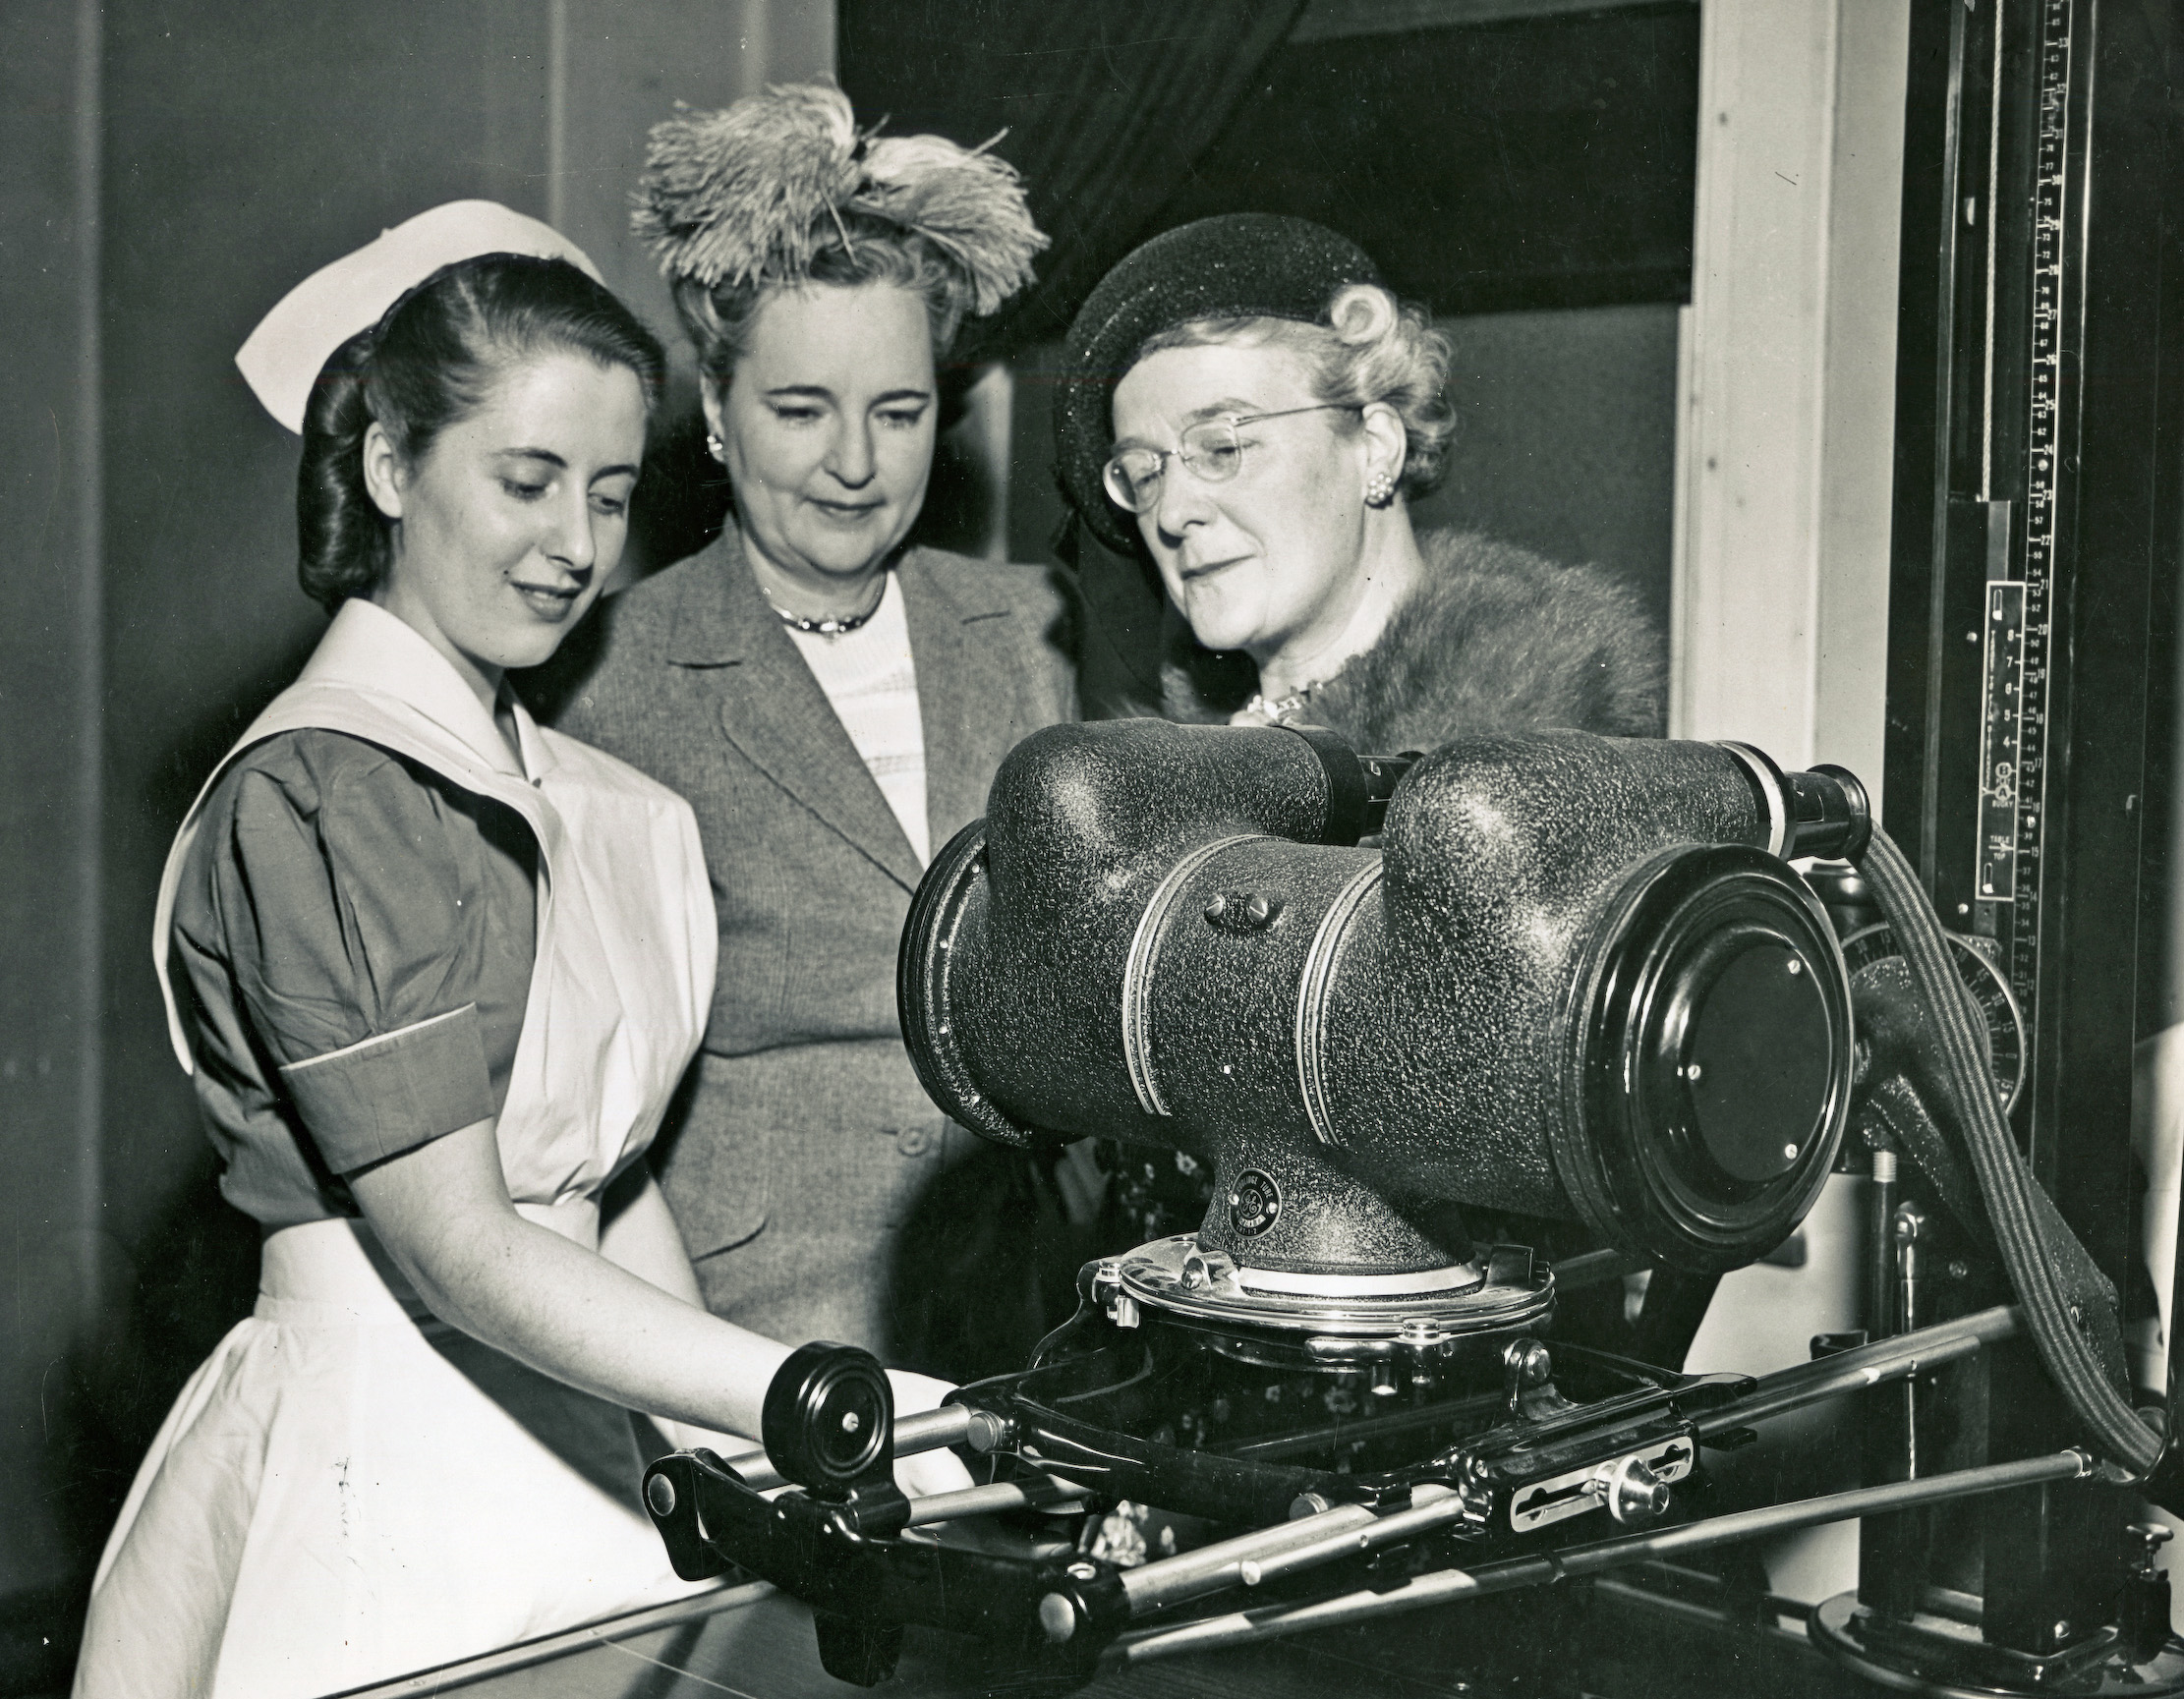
point(1449, 1585)
point(1892, 1359)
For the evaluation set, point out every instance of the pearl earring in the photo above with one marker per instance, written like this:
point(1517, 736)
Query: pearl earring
point(1381, 490)
point(715, 446)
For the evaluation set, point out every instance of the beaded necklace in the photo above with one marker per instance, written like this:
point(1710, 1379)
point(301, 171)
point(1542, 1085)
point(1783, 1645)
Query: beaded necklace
point(831, 625)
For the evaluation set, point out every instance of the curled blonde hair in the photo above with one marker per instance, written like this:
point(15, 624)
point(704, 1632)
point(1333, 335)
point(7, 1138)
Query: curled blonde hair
point(1371, 348)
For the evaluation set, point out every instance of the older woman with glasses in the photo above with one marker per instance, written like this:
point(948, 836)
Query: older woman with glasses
point(1247, 408)
point(1245, 403)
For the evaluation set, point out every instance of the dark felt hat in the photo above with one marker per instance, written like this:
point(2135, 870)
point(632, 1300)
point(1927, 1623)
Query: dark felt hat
point(1239, 265)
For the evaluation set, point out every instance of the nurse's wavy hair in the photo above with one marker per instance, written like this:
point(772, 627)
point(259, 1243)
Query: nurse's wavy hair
point(1370, 347)
point(782, 189)
point(429, 362)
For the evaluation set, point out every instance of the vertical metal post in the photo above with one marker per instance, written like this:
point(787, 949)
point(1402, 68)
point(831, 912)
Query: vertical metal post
point(1881, 1269)
point(2039, 408)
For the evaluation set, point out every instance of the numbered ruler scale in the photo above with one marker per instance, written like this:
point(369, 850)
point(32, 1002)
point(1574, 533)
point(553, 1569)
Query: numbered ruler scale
point(2018, 639)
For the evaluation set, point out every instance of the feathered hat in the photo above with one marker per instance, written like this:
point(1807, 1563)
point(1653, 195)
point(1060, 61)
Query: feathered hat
point(749, 195)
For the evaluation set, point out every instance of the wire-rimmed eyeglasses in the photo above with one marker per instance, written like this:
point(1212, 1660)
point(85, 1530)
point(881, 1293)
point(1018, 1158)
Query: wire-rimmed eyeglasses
point(1132, 475)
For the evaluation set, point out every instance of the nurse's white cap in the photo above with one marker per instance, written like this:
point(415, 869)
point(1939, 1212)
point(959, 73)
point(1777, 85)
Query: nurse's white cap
point(285, 354)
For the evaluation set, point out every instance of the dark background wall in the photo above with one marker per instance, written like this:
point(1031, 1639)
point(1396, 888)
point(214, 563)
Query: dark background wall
point(1525, 156)
point(1566, 436)
point(48, 627)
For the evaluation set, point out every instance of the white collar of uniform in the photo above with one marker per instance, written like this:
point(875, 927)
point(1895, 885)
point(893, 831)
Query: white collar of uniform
point(368, 648)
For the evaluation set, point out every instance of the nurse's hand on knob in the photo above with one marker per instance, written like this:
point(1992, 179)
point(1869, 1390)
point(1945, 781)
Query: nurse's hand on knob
point(924, 1473)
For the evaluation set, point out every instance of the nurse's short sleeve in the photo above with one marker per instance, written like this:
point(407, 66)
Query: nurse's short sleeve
point(355, 932)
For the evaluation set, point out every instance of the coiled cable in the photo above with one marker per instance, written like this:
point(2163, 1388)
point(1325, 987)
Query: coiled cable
point(2023, 1220)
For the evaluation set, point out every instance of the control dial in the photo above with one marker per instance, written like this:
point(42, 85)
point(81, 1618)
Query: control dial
point(1990, 991)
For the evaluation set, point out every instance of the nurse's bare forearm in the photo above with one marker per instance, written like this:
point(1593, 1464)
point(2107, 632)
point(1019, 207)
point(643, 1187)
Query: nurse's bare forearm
point(574, 1315)
point(444, 1214)
point(638, 1232)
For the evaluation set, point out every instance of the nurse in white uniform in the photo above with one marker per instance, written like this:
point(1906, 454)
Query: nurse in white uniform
point(435, 972)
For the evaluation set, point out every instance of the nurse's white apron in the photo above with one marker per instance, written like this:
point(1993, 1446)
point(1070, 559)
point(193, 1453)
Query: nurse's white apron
point(349, 1491)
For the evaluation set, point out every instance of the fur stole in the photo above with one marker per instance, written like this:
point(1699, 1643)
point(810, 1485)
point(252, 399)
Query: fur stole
point(1495, 639)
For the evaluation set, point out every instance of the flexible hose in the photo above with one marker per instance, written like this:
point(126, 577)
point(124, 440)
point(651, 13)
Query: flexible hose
point(2060, 1326)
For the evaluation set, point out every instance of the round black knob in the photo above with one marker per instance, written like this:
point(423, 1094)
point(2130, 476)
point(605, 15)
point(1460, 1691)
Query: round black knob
point(828, 1421)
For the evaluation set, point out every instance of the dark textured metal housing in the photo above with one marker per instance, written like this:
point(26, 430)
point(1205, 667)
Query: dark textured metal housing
point(1574, 981)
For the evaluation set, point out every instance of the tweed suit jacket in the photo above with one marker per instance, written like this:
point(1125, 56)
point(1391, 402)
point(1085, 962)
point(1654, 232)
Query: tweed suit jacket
point(802, 1143)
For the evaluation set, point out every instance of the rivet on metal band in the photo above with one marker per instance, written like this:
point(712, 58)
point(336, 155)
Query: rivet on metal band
point(1137, 972)
point(1313, 988)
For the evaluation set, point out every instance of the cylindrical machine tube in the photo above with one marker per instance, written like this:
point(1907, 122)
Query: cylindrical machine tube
point(1155, 936)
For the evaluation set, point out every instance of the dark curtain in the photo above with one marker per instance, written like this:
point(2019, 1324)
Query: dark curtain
point(1108, 105)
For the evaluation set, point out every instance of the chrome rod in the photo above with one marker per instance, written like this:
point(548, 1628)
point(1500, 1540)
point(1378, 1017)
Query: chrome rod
point(1187, 1574)
point(755, 1469)
point(1449, 1585)
point(1592, 1269)
point(927, 1430)
point(1043, 1493)
point(1437, 1512)
point(1874, 1365)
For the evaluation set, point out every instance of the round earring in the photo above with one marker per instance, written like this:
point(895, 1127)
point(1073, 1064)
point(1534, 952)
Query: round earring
point(1381, 490)
point(715, 446)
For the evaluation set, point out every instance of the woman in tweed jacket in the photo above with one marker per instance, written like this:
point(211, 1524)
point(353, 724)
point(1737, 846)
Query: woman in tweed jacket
point(833, 704)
